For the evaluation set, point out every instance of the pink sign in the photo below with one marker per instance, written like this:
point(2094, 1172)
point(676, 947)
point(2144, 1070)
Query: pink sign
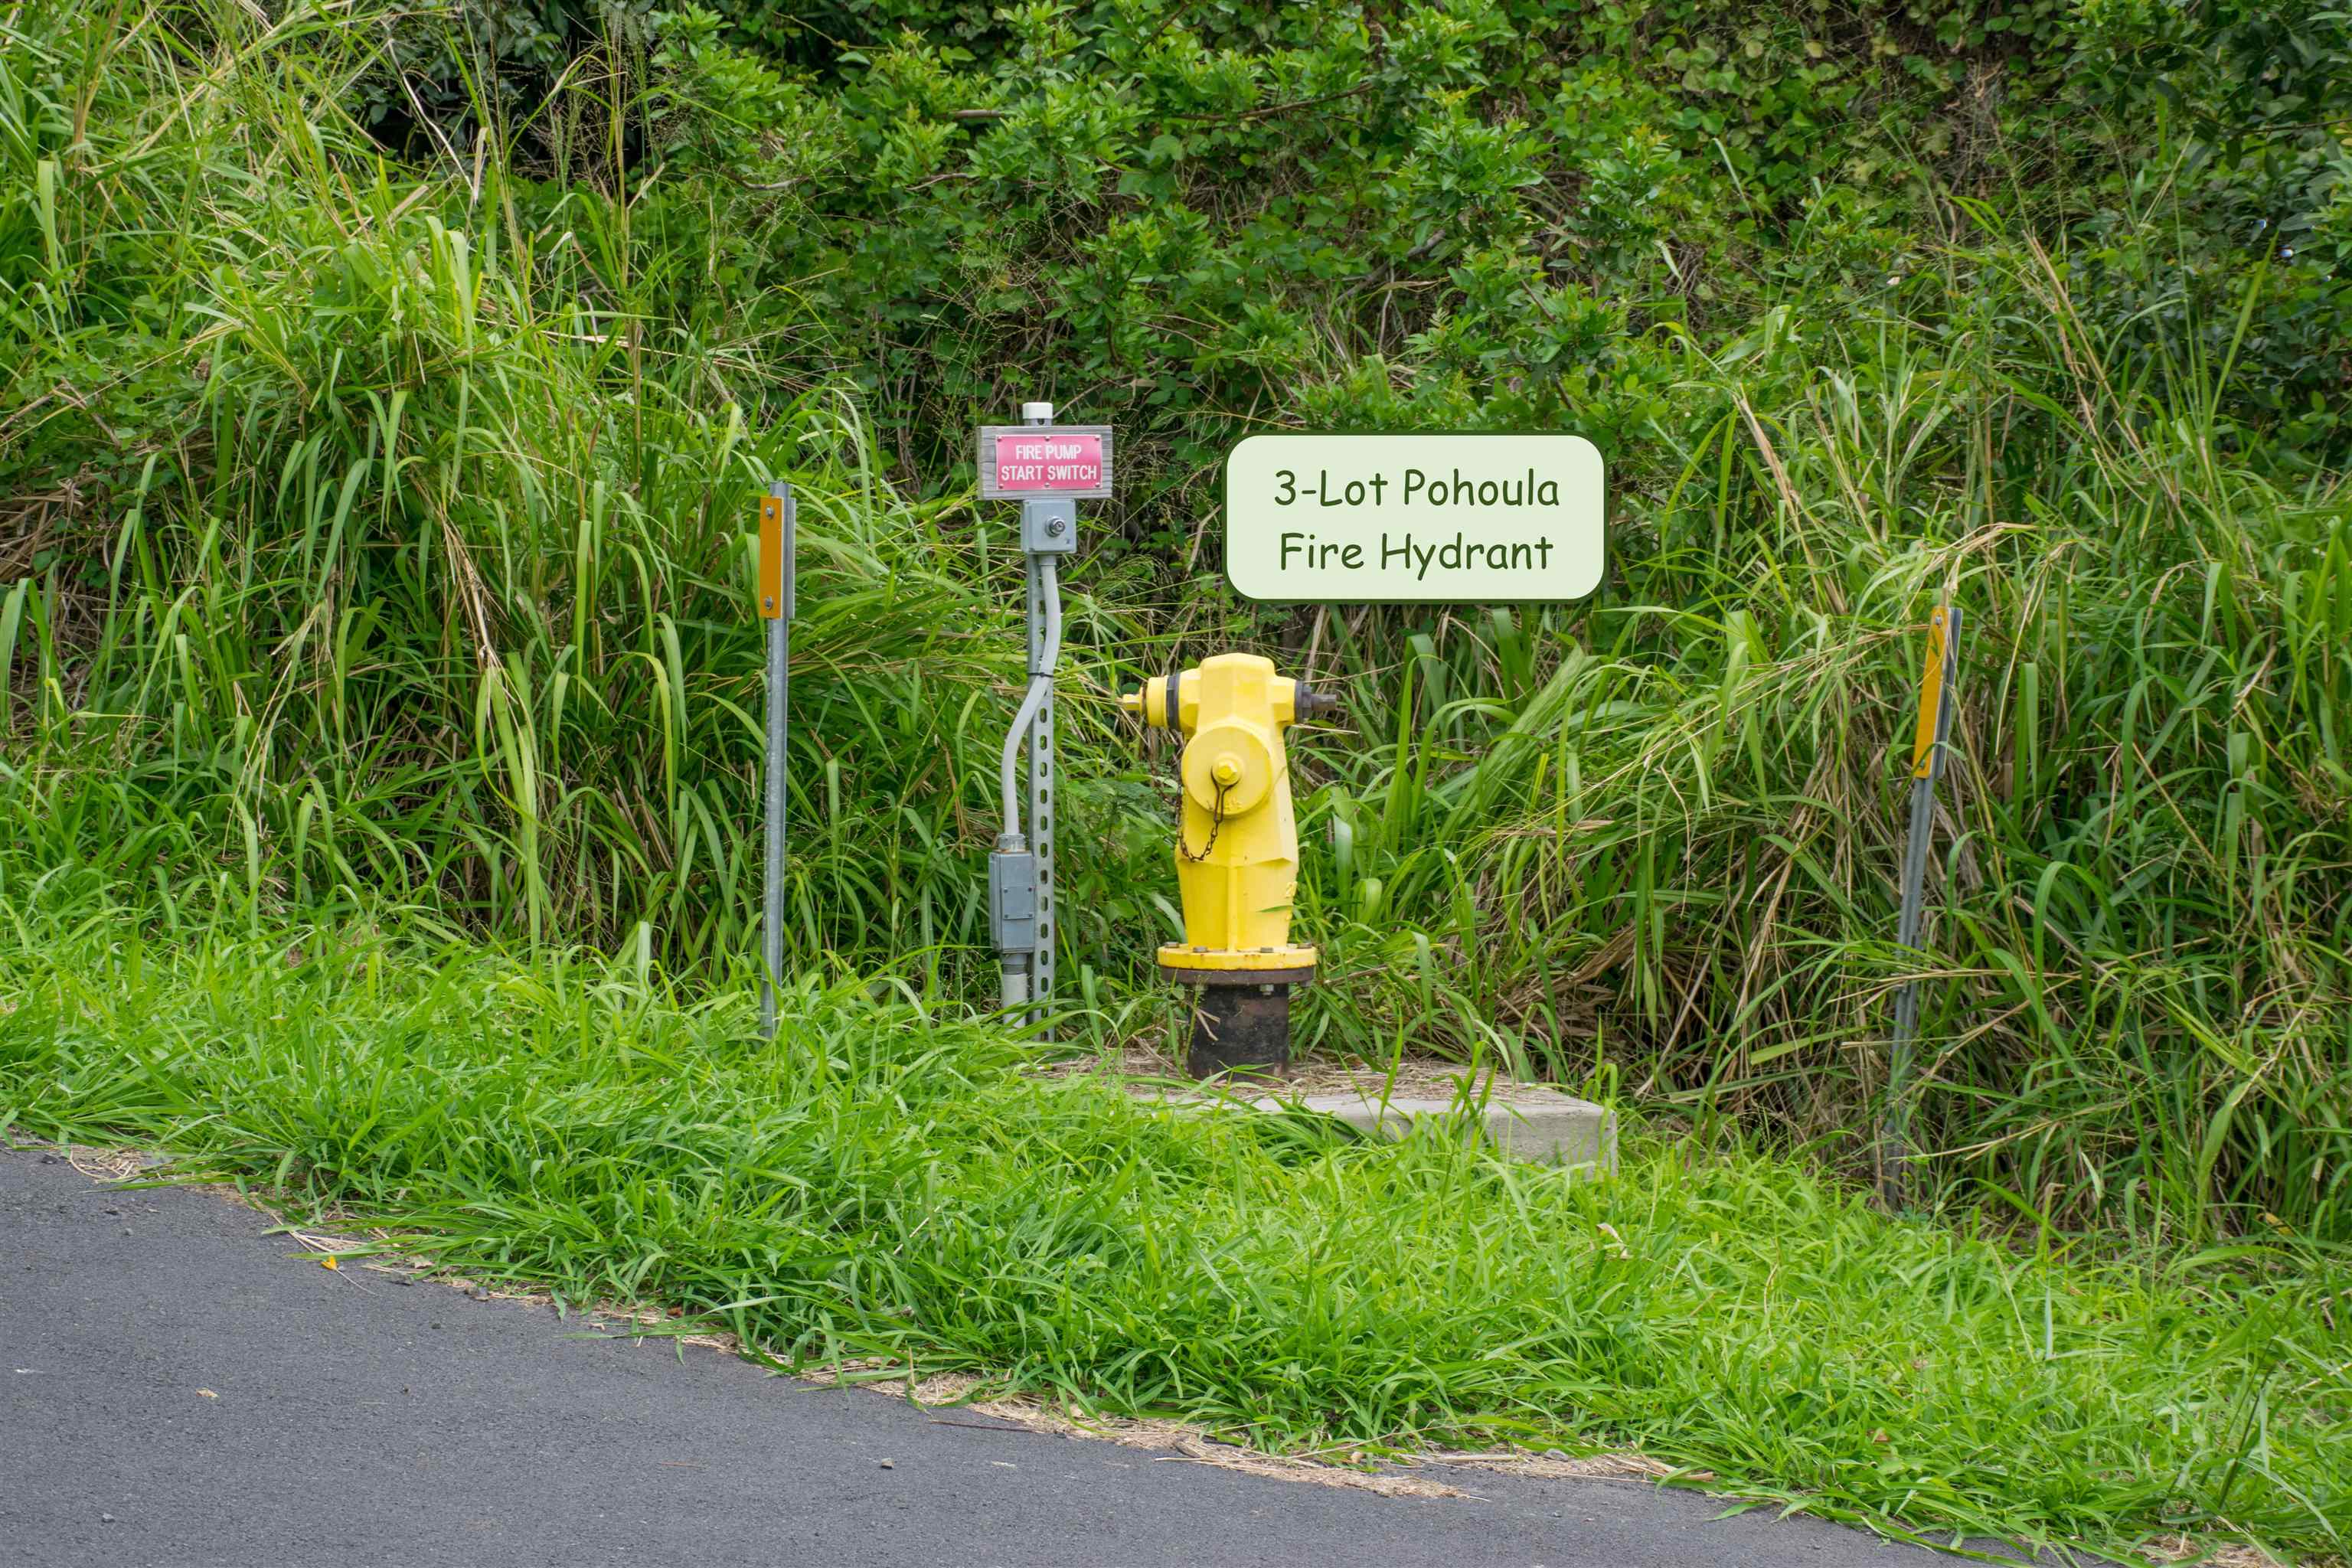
point(1049, 460)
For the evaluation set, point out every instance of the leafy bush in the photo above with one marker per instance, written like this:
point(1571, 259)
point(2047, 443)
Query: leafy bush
point(1194, 221)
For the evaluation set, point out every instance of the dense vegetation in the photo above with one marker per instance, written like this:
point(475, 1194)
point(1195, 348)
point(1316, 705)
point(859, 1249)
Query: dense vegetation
point(383, 399)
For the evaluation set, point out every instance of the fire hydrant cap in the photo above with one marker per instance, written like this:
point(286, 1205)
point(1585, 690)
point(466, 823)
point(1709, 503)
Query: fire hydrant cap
point(1228, 747)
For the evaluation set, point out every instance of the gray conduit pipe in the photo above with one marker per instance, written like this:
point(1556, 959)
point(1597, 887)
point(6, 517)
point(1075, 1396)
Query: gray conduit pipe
point(1041, 681)
point(1014, 991)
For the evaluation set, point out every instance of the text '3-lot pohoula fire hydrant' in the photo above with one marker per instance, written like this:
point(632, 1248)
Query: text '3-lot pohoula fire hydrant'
point(1236, 856)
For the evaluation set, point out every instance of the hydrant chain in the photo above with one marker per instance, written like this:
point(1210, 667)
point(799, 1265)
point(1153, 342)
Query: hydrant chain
point(1216, 821)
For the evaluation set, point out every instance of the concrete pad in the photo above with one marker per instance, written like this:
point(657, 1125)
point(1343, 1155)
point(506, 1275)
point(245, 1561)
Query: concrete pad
point(1540, 1128)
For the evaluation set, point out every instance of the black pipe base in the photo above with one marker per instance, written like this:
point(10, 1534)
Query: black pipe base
point(1240, 1030)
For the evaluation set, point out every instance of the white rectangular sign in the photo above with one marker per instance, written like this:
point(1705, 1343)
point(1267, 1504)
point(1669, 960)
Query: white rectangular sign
point(1367, 519)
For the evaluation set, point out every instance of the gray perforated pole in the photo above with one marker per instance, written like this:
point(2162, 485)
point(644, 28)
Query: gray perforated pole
point(779, 655)
point(1044, 649)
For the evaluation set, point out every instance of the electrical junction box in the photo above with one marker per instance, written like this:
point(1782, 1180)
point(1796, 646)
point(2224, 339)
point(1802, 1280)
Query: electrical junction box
point(1049, 527)
point(1012, 901)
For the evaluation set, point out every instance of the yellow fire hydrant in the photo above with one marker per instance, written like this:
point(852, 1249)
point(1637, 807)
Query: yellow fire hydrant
point(1236, 856)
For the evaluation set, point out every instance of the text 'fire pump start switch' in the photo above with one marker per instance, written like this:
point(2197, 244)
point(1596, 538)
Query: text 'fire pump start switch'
point(1236, 856)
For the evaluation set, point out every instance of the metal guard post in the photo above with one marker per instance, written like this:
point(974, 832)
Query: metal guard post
point(1939, 679)
point(1041, 788)
point(778, 565)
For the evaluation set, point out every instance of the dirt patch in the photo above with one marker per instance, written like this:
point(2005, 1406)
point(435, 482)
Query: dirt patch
point(109, 1164)
point(944, 1396)
point(1557, 1465)
point(2187, 1548)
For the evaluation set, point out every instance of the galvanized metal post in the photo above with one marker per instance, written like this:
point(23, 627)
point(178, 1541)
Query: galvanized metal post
point(1939, 680)
point(1041, 581)
point(778, 516)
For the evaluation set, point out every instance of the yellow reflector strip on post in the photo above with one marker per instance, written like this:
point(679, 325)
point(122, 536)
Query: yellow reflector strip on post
point(771, 557)
point(1931, 695)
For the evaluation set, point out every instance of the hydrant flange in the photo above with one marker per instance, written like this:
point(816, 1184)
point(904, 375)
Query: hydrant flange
point(1285, 965)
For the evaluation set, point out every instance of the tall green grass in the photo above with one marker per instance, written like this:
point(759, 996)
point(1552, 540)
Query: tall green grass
point(379, 538)
point(1661, 840)
point(885, 1181)
point(430, 579)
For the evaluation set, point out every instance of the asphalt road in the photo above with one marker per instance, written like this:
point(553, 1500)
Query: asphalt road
point(354, 1419)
